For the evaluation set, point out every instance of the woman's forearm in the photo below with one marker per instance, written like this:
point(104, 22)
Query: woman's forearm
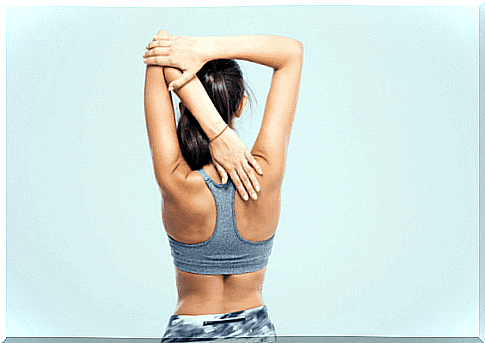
point(272, 51)
point(195, 98)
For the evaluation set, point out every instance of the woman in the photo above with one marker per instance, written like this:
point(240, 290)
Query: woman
point(220, 243)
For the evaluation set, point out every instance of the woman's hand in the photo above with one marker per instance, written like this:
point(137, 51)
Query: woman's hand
point(229, 153)
point(186, 53)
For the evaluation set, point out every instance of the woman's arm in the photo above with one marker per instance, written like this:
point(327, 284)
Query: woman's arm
point(160, 122)
point(271, 51)
point(227, 150)
point(284, 55)
point(190, 53)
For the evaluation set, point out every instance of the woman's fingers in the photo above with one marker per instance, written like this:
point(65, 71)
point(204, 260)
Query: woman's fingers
point(245, 174)
point(254, 163)
point(221, 172)
point(252, 177)
point(156, 52)
point(157, 56)
point(231, 154)
point(158, 60)
point(238, 184)
point(243, 178)
point(159, 43)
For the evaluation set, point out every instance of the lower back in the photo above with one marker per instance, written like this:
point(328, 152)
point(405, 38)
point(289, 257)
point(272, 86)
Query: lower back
point(211, 294)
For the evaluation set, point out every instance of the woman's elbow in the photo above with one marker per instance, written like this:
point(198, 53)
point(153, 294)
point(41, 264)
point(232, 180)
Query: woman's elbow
point(296, 49)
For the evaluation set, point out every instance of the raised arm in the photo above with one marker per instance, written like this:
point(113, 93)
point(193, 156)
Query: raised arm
point(229, 153)
point(190, 53)
point(272, 51)
point(160, 122)
point(284, 55)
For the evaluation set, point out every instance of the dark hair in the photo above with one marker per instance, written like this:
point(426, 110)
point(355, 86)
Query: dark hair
point(224, 83)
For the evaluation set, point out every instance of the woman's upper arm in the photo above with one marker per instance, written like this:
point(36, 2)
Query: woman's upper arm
point(161, 127)
point(273, 138)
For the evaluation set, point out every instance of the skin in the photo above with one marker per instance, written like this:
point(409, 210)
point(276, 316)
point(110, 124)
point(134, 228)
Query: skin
point(188, 207)
point(255, 220)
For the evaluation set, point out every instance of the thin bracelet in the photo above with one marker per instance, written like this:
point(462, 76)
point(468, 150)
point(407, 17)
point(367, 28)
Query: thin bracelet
point(210, 140)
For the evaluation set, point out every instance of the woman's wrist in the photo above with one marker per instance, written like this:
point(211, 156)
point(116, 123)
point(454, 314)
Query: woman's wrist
point(206, 48)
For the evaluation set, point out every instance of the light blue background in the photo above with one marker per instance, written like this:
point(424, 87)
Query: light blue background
point(379, 223)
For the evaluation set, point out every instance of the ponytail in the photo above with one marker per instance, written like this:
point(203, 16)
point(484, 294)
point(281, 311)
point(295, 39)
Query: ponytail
point(193, 142)
point(223, 81)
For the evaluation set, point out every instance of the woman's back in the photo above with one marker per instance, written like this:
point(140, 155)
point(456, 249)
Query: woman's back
point(192, 220)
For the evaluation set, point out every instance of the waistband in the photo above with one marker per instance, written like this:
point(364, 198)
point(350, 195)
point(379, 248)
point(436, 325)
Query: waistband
point(212, 319)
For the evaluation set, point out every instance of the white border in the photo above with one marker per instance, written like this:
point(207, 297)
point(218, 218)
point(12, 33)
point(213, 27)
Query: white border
point(150, 3)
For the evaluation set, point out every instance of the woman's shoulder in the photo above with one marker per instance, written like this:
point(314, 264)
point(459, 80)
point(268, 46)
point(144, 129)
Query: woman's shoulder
point(187, 199)
point(189, 187)
point(185, 183)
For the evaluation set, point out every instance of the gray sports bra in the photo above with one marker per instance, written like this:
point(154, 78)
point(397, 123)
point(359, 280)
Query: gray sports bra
point(225, 252)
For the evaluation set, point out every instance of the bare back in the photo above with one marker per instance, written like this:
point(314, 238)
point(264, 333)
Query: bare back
point(192, 220)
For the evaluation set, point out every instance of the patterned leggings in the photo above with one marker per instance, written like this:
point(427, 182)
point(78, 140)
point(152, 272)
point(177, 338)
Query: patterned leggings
point(253, 324)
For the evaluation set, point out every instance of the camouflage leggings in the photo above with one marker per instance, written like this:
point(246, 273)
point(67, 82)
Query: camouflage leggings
point(253, 324)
